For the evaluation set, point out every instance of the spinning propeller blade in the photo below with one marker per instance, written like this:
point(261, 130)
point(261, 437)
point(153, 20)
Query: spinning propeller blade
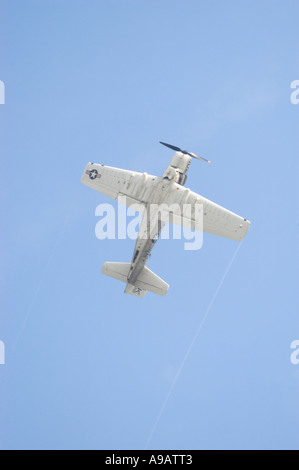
point(177, 149)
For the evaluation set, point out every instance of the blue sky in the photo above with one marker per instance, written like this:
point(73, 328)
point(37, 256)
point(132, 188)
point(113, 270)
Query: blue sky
point(104, 81)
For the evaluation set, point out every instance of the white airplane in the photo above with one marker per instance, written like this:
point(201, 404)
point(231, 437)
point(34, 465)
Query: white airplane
point(179, 206)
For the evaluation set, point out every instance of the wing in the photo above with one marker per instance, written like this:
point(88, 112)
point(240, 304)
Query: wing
point(185, 204)
point(116, 183)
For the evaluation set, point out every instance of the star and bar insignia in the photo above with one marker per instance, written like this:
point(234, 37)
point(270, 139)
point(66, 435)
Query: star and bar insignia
point(93, 174)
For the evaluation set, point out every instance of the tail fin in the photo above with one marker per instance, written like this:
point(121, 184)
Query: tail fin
point(146, 281)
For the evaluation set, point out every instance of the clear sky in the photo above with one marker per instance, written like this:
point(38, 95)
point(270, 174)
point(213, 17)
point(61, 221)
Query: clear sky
point(87, 366)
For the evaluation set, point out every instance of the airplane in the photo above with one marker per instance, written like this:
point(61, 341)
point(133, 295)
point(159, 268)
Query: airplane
point(151, 193)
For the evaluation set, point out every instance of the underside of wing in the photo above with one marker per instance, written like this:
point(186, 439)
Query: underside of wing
point(191, 210)
point(128, 187)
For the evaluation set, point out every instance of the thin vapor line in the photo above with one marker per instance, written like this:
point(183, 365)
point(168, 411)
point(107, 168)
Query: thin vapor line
point(40, 283)
point(179, 371)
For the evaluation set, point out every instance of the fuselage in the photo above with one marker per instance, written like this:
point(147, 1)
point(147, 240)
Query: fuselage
point(152, 224)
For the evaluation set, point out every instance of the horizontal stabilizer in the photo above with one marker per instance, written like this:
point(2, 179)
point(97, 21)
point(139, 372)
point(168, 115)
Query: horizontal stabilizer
point(146, 281)
point(150, 281)
point(119, 271)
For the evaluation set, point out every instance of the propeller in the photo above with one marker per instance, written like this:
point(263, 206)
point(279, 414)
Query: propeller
point(177, 149)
